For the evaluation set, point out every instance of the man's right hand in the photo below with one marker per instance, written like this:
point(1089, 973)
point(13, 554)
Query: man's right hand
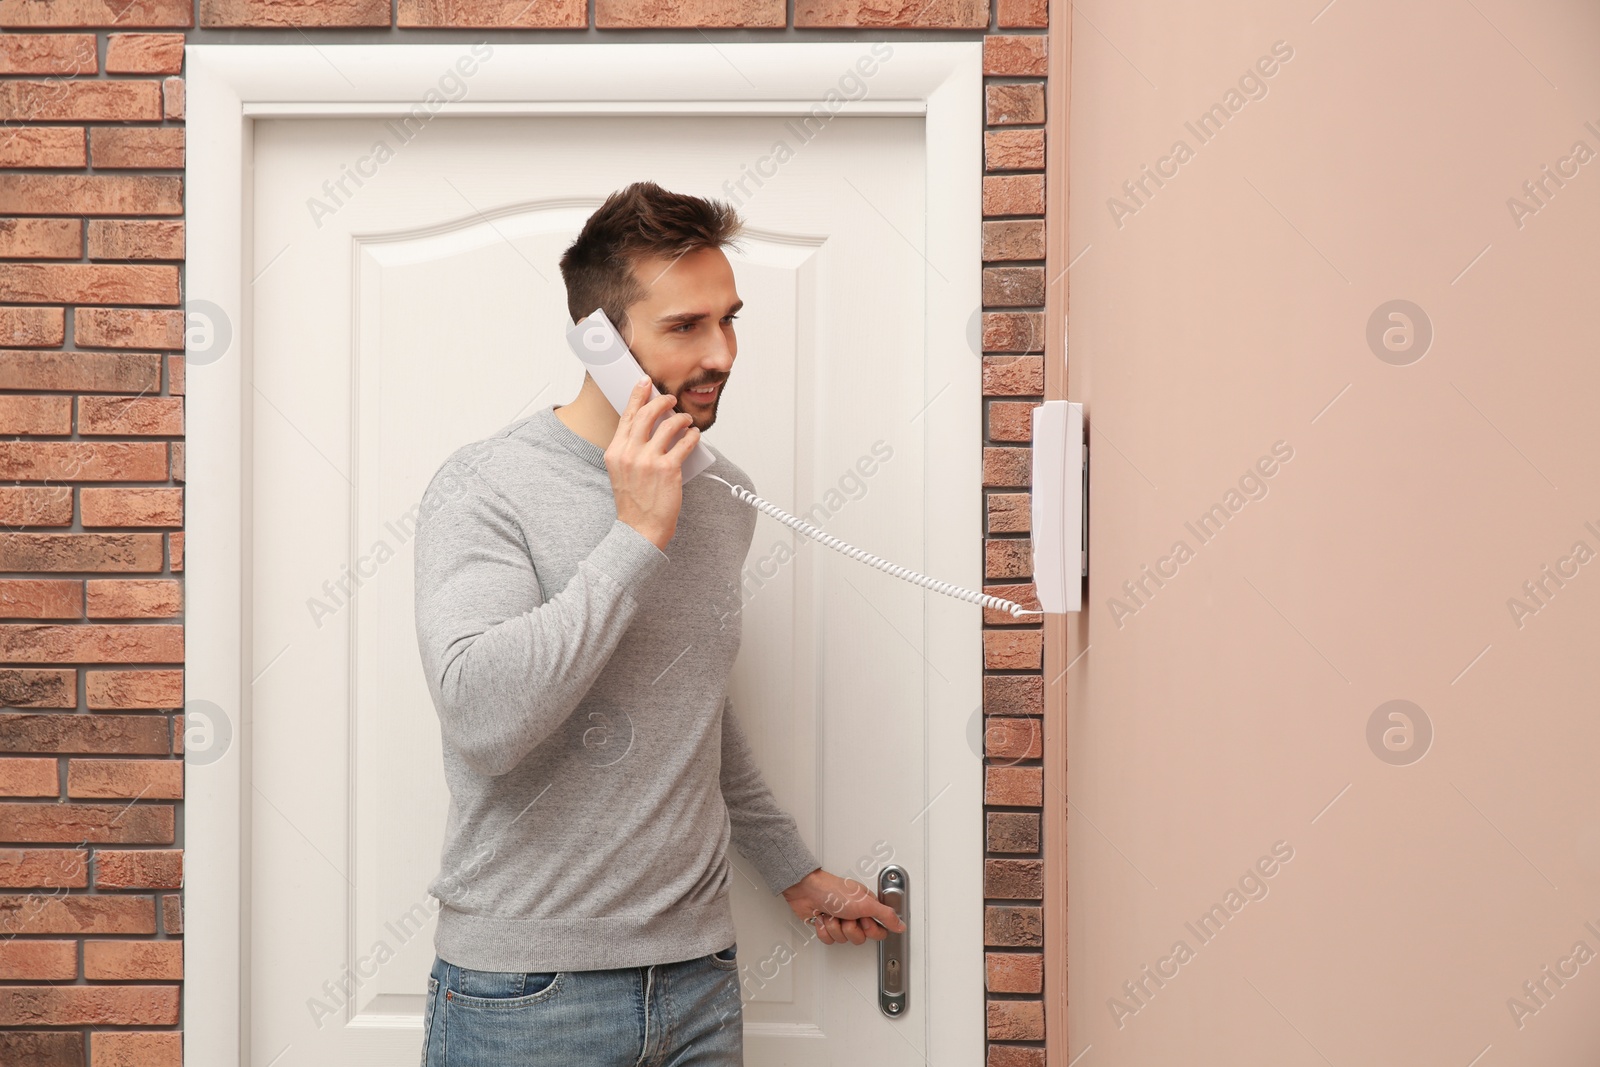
point(646, 475)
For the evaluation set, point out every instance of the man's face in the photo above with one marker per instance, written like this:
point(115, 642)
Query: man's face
point(682, 331)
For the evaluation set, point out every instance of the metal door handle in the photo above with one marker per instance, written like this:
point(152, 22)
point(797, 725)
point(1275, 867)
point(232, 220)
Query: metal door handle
point(893, 964)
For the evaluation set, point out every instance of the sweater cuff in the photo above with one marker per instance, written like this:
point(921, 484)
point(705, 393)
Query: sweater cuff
point(784, 863)
point(627, 557)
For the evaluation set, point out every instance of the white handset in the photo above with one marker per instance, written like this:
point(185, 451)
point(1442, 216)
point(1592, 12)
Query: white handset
point(598, 346)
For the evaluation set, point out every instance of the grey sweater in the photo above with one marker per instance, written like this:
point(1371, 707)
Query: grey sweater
point(596, 770)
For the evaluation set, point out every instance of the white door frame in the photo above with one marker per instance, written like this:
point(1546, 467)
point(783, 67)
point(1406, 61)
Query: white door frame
point(231, 85)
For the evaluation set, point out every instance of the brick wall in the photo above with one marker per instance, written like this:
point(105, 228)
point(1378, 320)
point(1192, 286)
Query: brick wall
point(91, 446)
point(91, 468)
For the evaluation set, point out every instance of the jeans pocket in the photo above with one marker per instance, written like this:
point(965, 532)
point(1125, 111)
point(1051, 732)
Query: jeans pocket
point(727, 959)
point(504, 989)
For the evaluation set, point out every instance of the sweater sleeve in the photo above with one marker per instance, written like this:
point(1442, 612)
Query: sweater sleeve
point(763, 833)
point(504, 665)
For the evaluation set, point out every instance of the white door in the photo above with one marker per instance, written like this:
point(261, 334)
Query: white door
point(421, 307)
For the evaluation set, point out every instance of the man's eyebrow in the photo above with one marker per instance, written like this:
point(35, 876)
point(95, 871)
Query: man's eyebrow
point(693, 316)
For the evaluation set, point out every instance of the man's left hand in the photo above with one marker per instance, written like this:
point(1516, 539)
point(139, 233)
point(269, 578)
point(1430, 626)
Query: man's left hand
point(841, 909)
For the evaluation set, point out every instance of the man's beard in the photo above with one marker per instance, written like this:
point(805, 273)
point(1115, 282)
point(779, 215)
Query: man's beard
point(678, 406)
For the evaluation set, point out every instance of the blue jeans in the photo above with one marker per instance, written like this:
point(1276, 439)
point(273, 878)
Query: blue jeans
point(686, 1014)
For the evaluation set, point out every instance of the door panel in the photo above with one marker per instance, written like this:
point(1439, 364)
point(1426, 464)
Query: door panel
point(425, 310)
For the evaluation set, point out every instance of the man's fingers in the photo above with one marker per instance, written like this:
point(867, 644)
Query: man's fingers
point(679, 453)
point(636, 398)
point(886, 916)
point(644, 428)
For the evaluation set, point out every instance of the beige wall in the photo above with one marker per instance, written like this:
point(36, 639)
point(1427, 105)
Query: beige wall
point(1377, 555)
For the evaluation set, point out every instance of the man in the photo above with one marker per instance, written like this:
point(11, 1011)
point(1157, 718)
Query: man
point(570, 610)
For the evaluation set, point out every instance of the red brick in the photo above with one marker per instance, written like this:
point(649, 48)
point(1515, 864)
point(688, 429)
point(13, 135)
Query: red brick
point(1016, 786)
point(1013, 104)
point(1025, 594)
point(1013, 149)
point(38, 961)
point(42, 1048)
point(35, 414)
point(172, 99)
point(136, 146)
point(1016, 1020)
point(1008, 557)
point(49, 643)
point(84, 461)
point(1014, 880)
point(88, 1005)
point(1013, 926)
point(41, 239)
point(89, 283)
point(172, 913)
point(1014, 972)
point(48, 53)
point(144, 53)
point(1013, 286)
point(134, 824)
point(631, 14)
point(130, 779)
point(1003, 694)
point(1011, 831)
point(82, 372)
point(122, 14)
point(138, 1048)
point(77, 552)
point(558, 14)
point(92, 194)
point(42, 146)
point(1002, 467)
point(38, 689)
point(51, 913)
point(175, 552)
point(1014, 1055)
point(32, 327)
point(1016, 375)
point(30, 732)
point(129, 328)
point(1013, 194)
point(1022, 14)
point(1020, 650)
point(1016, 54)
point(175, 386)
point(85, 100)
point(963, 14)
point(36, 505)
point(134, 598)
point(1010, 512)
point(44, 868)
point(134, 689)
point(28, 778)
point(137, 868)
point(1009, 420)
point(41, 598)
point(1013, 739)
point(1012, 239)
point(113, 961)
point(220, 13)
point(135, 239)
point(177, 735)
point(130, 415)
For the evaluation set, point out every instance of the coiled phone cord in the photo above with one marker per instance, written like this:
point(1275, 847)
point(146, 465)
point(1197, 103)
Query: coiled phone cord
point(969, 595)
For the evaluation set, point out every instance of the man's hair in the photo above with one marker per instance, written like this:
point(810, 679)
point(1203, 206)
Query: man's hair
point(639, 221)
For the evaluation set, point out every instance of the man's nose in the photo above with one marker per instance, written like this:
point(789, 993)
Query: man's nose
point(720, 356)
